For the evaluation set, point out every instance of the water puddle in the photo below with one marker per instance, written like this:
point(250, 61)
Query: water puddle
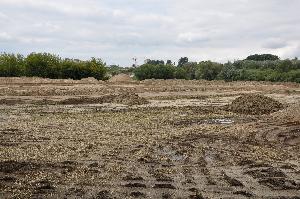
point(187, 122)
point(169, 153)
point(219, 121)
point(210, 157)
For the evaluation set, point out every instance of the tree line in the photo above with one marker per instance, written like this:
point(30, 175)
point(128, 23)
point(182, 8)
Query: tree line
point(264, 67)
point(48, 65)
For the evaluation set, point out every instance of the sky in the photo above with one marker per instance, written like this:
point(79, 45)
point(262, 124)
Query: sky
point(119, 30)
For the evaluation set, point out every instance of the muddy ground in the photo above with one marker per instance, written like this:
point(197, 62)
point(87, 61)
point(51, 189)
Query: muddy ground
point(149, 139)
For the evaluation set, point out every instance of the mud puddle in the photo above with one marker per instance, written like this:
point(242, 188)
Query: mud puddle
point(187, 122)
point(169, 153)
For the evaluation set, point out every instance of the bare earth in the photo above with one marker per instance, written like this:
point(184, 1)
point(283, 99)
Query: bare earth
point(149, 139)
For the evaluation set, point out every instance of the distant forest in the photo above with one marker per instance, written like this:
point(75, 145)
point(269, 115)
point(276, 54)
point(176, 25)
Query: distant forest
point(265, 67)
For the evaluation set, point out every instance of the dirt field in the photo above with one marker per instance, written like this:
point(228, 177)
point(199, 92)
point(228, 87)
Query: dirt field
point(150, 139)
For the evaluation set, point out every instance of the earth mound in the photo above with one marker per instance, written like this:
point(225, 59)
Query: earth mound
point(123, 98)
point(129, 99)
point(121, 78)
point(91, 80)
point(255, 104)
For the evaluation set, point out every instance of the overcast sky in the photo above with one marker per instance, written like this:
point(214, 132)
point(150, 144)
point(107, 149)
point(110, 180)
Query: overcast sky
point(118, 30)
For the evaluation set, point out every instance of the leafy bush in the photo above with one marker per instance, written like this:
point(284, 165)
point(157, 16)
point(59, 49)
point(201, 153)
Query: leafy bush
point(148, 71)
point(50, 66)
point(72, 69)
point(229, 72)
point(208, 70)
point(11, 65)
point(273, 76)
point(190, 69)
point(293, 76)
point(285, 66)
point(180, 73)
point(43, 65)
point(77, 69)
point(115, 70)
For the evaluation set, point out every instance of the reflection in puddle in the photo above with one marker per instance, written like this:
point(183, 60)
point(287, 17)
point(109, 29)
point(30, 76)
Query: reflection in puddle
point(187, 122)
point(210, 157)
point(169, 153)
point(219, 121)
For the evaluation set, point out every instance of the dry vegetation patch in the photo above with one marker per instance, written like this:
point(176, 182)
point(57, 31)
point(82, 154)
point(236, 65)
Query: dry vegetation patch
point(123, 98)
point(254, 104)
point(121, 78)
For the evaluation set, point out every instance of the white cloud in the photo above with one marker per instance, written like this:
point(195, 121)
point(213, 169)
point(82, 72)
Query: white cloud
point(5, 36)
point(160, 29)
point(189, 37)
point(274, 43)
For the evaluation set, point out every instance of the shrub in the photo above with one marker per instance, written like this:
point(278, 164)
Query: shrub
point(50, 66)
point(95, 68)
point(43, 65)
point(285, 66)
point(76, 69)
point(11, 65)
point(229, 72)
point(190, 69)
point(180, 73)
point(208, 70)
point(293, 76)
point(273, 76)
point(72, 69)
point(160, 71)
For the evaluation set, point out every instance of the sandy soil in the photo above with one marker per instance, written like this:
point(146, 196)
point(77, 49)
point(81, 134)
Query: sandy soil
point(149, 139)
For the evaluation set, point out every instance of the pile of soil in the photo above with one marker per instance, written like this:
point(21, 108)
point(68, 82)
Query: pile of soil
point(121, 78)
point(254, 104)
point(123, 98)
point(91, 80)
point(129, 99)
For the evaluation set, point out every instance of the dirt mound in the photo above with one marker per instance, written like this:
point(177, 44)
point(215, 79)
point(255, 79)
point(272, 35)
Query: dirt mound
point(91, 80)
point(129, 99)
point(121, 78)
point(123, 98)
point(290, 116)
point(254, 104)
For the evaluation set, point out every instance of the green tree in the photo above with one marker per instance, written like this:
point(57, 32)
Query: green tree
point(96, 68)
point(72, 69)
point(154, 62)
point(169, 62)
point(182, 61)
point(77, 69)
point(148, 71)
point(190, 69)
point(285, 66)
point(262, 57)
point(208, 70)
point(180, 73)
point(229, 72)
point(43, 65)
point(293, 76)
point(11, 65)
